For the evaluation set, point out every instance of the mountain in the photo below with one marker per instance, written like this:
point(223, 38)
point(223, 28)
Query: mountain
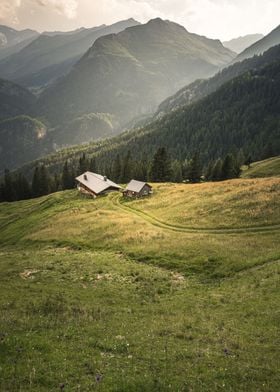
point(12, 41)
point(14, 100)
point(51, 56)
point(22, 138)
point(128, 74)
point(10, 37)
point(201, 88)
point(241, 116)
point(239, 44)
point(261, 46)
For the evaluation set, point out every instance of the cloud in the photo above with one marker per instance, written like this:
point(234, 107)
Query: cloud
point(67, 8)
point(8, 11)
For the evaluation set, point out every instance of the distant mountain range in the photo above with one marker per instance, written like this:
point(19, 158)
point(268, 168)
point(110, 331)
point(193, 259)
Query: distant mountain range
point(50, 56)
point(128, 74)
point(239, 44)
point(242, 116)
point(259, 47)
point(12, 41)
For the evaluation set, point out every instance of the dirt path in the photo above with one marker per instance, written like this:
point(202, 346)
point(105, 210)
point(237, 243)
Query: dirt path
point(116, 200)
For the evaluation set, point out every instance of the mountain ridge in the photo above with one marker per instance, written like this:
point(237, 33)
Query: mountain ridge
point(127, 74)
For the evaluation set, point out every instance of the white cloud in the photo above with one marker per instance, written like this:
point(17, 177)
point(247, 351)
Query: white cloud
point(222, 19)
point(8, 11)
point(63, 7)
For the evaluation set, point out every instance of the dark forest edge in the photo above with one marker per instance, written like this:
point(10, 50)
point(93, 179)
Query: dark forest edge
point(161, 168)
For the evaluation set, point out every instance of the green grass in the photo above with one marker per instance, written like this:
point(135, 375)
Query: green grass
point(267, 168)
point(99, 287)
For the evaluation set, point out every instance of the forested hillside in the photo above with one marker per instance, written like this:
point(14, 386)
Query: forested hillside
point(241, 117)
point(202, 88)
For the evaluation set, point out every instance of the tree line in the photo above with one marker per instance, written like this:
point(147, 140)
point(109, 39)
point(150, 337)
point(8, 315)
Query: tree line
point(161, 168)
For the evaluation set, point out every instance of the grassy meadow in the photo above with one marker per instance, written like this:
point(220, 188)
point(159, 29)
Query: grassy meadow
point(267, 168)
point(175, 292)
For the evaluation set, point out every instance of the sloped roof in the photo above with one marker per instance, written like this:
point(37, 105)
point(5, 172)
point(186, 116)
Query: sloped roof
point(136, 186)
point(96, 182)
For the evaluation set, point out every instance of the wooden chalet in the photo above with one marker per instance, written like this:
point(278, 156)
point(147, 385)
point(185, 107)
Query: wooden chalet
point(137, 189)
point(93, 184)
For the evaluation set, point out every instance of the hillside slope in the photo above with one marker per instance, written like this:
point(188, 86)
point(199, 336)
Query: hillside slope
point(51, 56)
point(242, 114)
point(14, 100)
point(202, 88)
point(266, 168)
point(110, 301)
point(271, 39)
point(22, 138)
point(12, 41)
point(130, 73)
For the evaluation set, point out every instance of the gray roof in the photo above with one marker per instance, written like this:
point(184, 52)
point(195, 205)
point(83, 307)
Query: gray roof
point(96, 182)
point(136, 186)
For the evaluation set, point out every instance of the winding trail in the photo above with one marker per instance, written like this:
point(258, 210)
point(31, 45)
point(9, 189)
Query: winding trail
point(116, 201)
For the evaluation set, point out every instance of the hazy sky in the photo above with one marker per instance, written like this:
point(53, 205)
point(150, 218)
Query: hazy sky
point(222, 19)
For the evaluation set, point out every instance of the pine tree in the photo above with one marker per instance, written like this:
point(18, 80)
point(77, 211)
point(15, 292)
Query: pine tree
point(83, 164)
point(9, 189)
point(209, 171)
point(161, 166)
point(44, 181)
point(176, 170)
point(66, 180)
point(117, 168)
point(127, 168)
point(92, 165)
point(40, 182)
point(23, 190)
point(217, 170)
point(228, 169)
point(35, 187)
point(195, 171)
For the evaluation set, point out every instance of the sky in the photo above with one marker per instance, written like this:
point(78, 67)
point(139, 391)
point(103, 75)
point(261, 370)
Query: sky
point(223, 19)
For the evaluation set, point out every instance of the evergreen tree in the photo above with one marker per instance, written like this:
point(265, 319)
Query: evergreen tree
point(35, 187)
point(127, 168)
point(117, 169)
point(176, 171)
point(217, 170)
point(22, 187)
point(161, 166)
point(268, 151)
point(9, 189)
point(209, 171)
point(66, 180)
point(228, 168)
point(92, 165)
point(2, 192)
point(195, 170)
point(44, 181)
point(83, 164)
point(40, 182)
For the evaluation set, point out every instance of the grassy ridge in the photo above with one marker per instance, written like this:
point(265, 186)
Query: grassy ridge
point(267, 168)
point(89, 288)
